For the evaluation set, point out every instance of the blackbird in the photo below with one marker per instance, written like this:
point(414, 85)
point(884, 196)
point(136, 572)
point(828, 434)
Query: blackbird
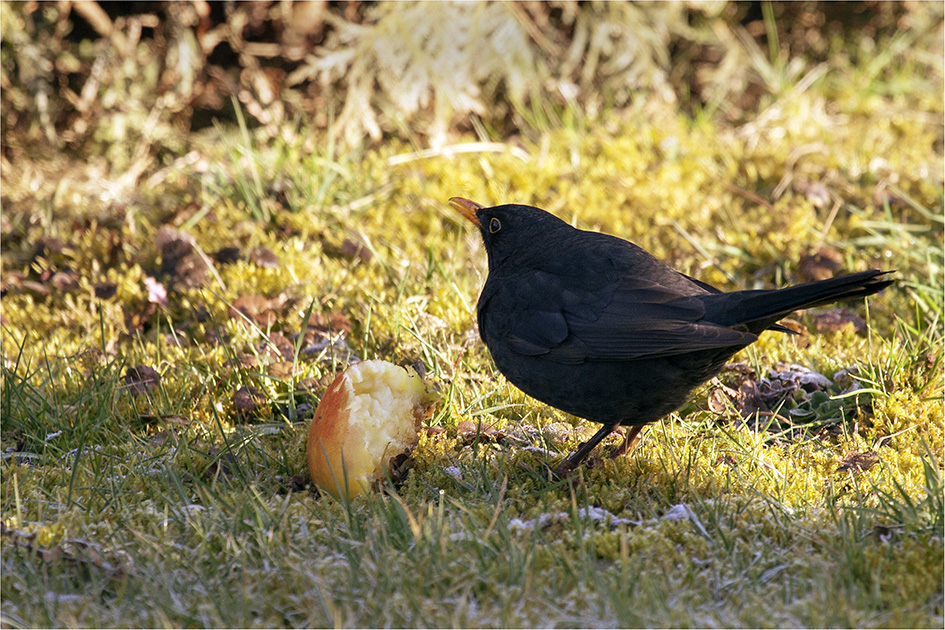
point(597, 327)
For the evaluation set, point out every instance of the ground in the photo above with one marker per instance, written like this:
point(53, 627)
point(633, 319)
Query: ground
point(167, 337)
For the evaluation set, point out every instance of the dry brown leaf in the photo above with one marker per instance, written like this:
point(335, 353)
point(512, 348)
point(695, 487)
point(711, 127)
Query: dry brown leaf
point(136, 319)
point(37, 288)
point(248, 399)
point(353, 249)
point(837, 319)
point(65, 281)
point(823, 264)
point(469, 429)
point(745, 401)
point(227, 255)
point(179, 258)
point(105, 290)
point(278, 347)
point(141, 379)
point(263, 257)
point(255, 307)
point(282, 370)
point(858, 461)
point(321, 325)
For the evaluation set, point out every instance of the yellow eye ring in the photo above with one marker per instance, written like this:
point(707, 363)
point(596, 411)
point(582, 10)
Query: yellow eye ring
point(494, 225)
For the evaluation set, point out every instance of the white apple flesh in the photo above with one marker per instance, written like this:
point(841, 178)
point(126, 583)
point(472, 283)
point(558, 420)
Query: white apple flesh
point(369, 414)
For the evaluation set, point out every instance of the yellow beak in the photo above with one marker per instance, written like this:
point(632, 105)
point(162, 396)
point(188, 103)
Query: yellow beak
point(466, 208)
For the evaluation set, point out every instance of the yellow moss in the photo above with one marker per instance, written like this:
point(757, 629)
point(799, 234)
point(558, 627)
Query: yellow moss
point(918, 420)
point(50, 534)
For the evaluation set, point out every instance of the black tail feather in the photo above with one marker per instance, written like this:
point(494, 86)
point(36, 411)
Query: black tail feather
point(758, 310)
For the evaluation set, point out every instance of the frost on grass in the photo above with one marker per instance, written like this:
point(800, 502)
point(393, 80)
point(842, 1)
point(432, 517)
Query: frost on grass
point(600, 516)
point(592, 514)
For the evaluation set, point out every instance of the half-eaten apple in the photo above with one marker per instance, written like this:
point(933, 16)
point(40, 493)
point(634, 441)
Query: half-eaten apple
point(369, 415)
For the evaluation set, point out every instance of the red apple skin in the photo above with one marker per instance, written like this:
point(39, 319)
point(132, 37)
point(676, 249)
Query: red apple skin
point(325, 436)
point(347, 454)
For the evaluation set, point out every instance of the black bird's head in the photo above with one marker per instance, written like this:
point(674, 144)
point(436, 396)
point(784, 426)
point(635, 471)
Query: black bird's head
point(512, 229)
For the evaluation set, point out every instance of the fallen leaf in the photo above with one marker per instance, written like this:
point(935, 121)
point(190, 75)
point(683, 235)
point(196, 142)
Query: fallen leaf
point(309, 384)
point(332, 350)
point(298, 483)
point(837, 319)
point(281, 370)
point(64, 281)
point(248, 399)
point(105, 290)
point(136, 319)
point(424, 413)
point(469, 429)
point(799, 375)
point(858, 461)
point(398, 467)
point(278, 347)
point(255, 307)
point(821, 265)
point(353, 249)
point(263, 257)
point(49, 245)
point(142, 379)
point(165, 236)
point(10, 280)
point(349, 248)
point(216, 336)
point(557, 432)
point(746, 400)
point(179, 258)
point(322, 325)
point(227, 255)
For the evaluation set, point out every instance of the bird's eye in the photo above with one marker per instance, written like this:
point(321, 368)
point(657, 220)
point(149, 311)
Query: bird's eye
point(494, 225)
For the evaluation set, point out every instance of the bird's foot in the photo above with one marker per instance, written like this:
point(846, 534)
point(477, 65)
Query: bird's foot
point(629, 442)
point(566, 467)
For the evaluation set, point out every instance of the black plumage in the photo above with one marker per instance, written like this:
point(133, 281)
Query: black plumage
point(597, 327)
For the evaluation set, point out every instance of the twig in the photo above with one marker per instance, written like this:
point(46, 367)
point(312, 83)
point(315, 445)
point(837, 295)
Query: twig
point(454, 149)
point(748, 195)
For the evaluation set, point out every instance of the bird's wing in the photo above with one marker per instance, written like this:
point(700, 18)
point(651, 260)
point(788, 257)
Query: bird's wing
point(628, 319)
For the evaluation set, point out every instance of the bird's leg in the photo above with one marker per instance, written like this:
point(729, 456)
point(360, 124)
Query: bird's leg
point(572, 462)
point(629, 442)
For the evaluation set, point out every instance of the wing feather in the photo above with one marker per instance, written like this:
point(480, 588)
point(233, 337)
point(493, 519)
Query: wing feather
point(626, 320)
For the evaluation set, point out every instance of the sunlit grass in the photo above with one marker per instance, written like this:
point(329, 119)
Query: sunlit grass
point(176, 507)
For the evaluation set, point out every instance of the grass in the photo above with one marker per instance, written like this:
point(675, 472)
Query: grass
point(177, 506)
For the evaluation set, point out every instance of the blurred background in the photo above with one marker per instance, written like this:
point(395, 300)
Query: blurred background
point(80, 75)
point(764, 141)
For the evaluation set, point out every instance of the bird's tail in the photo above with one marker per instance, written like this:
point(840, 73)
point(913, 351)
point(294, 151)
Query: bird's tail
point(758, 310)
